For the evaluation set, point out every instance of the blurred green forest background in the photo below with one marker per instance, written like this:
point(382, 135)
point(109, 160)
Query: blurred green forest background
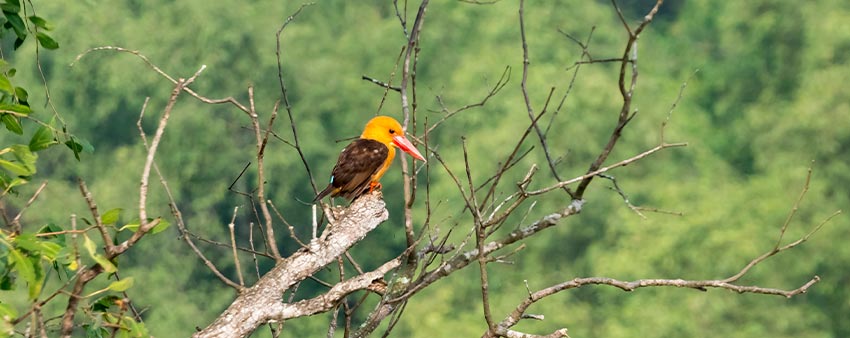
point(766, 95)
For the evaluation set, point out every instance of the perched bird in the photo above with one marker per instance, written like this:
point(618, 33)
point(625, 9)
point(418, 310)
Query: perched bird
point(362, 163)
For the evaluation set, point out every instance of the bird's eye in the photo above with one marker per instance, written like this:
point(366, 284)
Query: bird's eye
point(392, 131)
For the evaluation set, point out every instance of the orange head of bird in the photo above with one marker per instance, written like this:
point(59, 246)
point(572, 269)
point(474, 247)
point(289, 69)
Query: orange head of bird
point(388, 131)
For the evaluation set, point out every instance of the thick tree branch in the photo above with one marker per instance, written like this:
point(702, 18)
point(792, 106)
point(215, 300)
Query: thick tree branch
point(264, 302)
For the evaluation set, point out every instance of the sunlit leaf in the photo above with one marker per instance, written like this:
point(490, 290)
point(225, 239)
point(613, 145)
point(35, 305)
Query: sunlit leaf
point(31, 243)
point(17, 108)
point(111, 216)
point(162, 225)
point(25, 156)
point(6, 85)
point(89, 245)
point(159, 227)
point(121, 285)
point(49, 250)
point(42, 139)
point(27, 270)
point(11, 123)
point(22, 95)
point(27, 242)
point(15, 168)
point(22, 265)
point(16, 182)
point(132, 226)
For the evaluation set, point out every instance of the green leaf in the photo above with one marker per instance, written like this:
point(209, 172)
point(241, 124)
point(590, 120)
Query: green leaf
point(136, 329)
point(28, 271)
point(25, 156)
point(27, 242)
point(17, 108)
point(6, 85)
point(16, 182)
point(66, 257)
point(17, 23)
point(15, 168)
point(105, 263)
point(103, 303)
point(96, 331)
point(50, 250)
point(42, 139)
point(78, 145)
point(40, 22)
point(12, 124)
point(22, 95)
point(46, 41)
point(163, 224)
point(22, 265)
point(159, 227)
point(121, 285)
point(19, 41)
point(132, 226)
point(50, 227)
point(11, 6)
point(111, 216)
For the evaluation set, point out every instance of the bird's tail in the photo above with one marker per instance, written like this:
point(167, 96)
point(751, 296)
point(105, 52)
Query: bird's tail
point(324, 193)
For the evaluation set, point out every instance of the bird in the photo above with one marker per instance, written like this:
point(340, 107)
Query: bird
point(362, 163)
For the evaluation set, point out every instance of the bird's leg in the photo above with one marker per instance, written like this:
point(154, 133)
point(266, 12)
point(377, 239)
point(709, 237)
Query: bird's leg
point(374, 185)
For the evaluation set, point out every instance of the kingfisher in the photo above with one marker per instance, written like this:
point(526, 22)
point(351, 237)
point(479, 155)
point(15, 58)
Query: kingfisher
point(361, 164)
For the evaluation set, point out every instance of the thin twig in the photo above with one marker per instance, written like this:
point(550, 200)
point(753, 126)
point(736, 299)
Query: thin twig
point(286, 103)
point(159, 71)
point(381, 83)
point(175, 211)
point(232, 227)
point(15, 224)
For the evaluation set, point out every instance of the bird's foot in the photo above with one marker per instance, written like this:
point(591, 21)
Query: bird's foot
point(374, 186)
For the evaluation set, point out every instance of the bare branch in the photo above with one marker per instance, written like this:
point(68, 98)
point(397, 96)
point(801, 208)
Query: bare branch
point(517, 314)
point(107, 238)
point(159, 71)
point(15, 224)
point(175, 211)
point(263, 302)
point(622, 163)
point(232, 227)
point(629, 58)
point(381, 83)
point(286, 103)
point(529, 109)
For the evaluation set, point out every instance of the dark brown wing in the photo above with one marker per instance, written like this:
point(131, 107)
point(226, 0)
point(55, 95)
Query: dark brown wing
point(354, 168)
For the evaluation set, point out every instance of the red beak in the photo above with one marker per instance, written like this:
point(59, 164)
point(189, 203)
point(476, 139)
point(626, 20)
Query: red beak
point(405, 145)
